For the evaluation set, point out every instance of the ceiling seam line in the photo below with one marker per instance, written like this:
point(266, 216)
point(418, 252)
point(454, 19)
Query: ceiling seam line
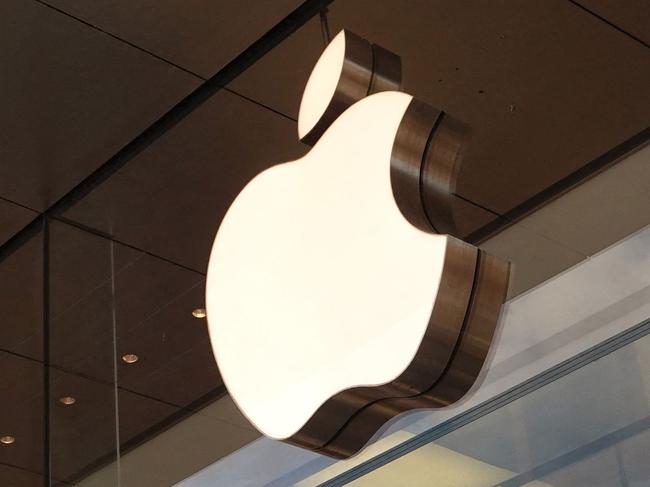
point(84, 228)
point(156, 56)
point(7, 200)
point(97, 380)
point(260, 104)
point(474, 203)
point(610, 23)
point(22, 469)
point(120, 39)
point(173, 116)
point(554, 191)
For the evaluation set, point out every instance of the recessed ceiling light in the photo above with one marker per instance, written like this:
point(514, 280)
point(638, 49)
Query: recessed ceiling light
point(199, 313)
point(67, 400)
point(7, 439)
point(130, 358)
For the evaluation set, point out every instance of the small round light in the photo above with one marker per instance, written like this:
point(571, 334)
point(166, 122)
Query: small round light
point(7, 439)
point(199, 313)
point(130, 358)
point(67, 400)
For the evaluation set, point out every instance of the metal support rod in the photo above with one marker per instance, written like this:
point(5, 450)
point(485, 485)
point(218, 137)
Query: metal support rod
point(325, 26)
point(47, 423)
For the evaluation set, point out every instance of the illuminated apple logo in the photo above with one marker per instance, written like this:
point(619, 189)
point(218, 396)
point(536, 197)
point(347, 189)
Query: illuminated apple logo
point(329, 311)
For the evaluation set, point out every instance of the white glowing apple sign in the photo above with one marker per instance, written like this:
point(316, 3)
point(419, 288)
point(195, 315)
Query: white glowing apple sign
point(316, 282)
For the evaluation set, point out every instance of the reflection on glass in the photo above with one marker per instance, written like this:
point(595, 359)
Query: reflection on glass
point(588, 428)
point(83, 411)
point(22, 453)
point(128, 362)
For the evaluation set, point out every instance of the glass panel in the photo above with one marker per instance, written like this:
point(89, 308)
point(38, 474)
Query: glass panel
point(83, 413)
point(129, 362)
point(22, 436)
point(601, 299)
point(589, 427)
point(22, 426)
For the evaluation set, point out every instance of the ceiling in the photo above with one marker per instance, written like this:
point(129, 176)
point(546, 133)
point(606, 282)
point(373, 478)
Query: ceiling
point(554, 91)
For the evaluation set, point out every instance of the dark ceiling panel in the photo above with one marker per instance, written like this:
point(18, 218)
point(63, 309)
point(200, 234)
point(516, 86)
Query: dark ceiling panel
point(21, 412)
point(16, 477)
point(171, 198)
point(632, 16)
point(71, 97)
point(152, 305)
point(546, 86)
point(153, 300)
point(21, 300)
point(83, 435)
point(12, 219)
point(80, 264)
point(199, 35)
point(177, 364)
point(82, 432)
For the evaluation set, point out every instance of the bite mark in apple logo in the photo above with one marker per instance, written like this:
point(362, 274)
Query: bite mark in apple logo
point(334, 302)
